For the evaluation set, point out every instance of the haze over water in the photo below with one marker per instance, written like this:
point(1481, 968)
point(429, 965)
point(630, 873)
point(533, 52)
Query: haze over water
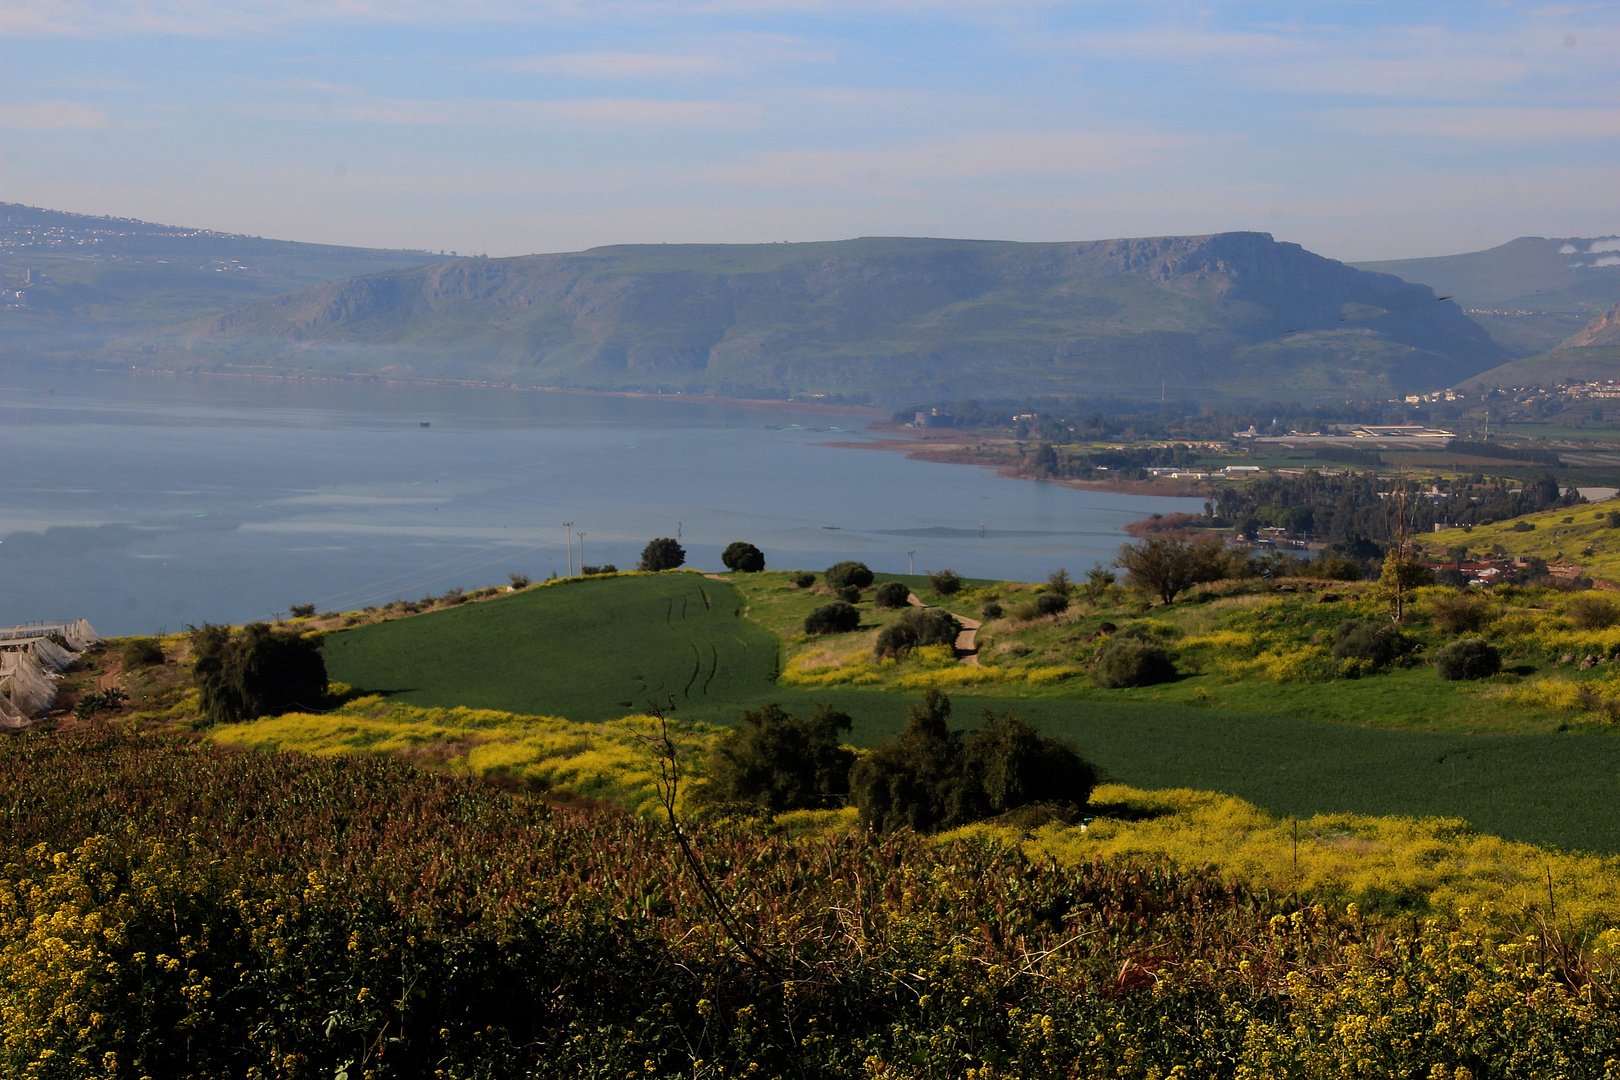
point(146, 503)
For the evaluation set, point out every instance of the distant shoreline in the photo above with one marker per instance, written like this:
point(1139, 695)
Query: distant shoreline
point(474, 384)
point(915, 447)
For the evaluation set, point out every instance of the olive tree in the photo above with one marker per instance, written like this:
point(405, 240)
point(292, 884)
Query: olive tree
point(663, 553)
point(743, 557)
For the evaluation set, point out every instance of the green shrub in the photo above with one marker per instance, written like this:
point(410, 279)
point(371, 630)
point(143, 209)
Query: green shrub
point(1129, 661)
point(945, 582)
point(1592, 611)
point(593, 571)
point(992, 610)
point(142, 652)
point(837, 617)
point(1377, 643)
point(519, 581)
point(255, 672)
point(891, 594)
point(1468, 658)
point(780, 762)
point(803, 579)
point(849, 594)
point(743, 557)
point(302, 611)
point(664, 553)
point(843, 574)
point(928, 778)
point(917, 627)
point(1336, 567)
point(96, 701)
point(1459, 614)
point(1051, 603)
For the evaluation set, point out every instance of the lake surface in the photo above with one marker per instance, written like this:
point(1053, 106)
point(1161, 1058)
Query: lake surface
point(146, 503)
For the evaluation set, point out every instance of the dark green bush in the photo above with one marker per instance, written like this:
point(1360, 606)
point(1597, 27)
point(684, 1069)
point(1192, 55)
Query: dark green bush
point(844, 574)
point(743, 557)
point(928, 778)
point(1051, 603)
point(992, 610)
point(1469, 658)
point(302, 611)
point(1591, 611)
point(1129, 661)
point(1458, 614)
point(1376, 642)
point(1336, 567)
point(837, 617)
point(917, 627)
point(142, 652)
point(945, 582)
point(664, 553)
point(803, 579)
point(592, 571)
point(849, 594)
point(780, 762)
point(891, 594)
point(519, 581)
point(255, 672)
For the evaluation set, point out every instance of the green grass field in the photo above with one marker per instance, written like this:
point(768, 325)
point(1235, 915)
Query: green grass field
point(597, 650)
point(585, 650)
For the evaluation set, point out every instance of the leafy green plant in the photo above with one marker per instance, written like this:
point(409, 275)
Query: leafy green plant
point(1377, 643)
point(663, 553)
point(1129, 661)
point(780, 762)
point(743, 557)
point(891, 594)
point(848, 573)
point(141, 652)
point(917, 627)
point(254, 672)
point(838, 617)
point(803, 579)
point(945, 582)
point(1468, 658)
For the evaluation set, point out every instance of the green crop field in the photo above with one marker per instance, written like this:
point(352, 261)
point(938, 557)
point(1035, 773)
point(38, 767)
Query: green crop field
point(596, 650)
point(585, 650)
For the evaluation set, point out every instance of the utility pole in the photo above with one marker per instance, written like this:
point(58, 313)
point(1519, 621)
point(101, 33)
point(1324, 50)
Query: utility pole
point(911, 563)
point(581, 535)
point(569, 525)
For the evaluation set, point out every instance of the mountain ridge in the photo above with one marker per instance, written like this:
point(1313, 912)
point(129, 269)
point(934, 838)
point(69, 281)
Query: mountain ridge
point(1235, 312)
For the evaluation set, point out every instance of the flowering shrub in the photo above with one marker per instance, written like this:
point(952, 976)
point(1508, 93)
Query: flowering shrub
point(174, 909)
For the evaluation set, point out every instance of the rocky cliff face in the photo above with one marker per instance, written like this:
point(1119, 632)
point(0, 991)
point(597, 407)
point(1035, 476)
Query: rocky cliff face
point(1230, 312)
point(1601, 332)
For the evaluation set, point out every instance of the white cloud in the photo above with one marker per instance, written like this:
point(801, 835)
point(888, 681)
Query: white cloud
point(44, 115)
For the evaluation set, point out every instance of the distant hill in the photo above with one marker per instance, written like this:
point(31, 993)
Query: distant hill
point(1530, 293)
point(70, 283)
point(894, 319)
point(1593, 354)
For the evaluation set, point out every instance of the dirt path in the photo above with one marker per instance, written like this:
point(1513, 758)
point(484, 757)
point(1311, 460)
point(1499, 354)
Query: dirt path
point(967, 644)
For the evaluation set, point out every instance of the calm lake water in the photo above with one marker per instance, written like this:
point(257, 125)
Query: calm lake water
point(146, 503)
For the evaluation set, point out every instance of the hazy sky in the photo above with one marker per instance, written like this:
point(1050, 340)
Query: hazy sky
point(1361, 130)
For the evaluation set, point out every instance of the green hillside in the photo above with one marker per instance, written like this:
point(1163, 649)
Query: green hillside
point(893, 319)
point(75, 282)
point(601, 649)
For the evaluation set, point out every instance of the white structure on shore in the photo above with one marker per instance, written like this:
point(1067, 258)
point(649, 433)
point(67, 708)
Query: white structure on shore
point(30, 658)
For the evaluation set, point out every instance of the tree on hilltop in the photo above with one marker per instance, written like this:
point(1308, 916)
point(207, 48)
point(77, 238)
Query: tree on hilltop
point(664, 553)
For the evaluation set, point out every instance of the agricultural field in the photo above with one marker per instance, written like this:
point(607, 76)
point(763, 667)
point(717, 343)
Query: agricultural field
point(587, 649)
point(1260, 710)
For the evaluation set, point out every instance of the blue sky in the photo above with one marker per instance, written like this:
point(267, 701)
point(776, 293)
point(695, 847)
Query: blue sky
point(1361, 130)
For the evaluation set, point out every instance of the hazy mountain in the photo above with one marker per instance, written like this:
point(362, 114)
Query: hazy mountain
point(69, 283)
point(1236, 313)
point(1592, 354)
point(1530, 293)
